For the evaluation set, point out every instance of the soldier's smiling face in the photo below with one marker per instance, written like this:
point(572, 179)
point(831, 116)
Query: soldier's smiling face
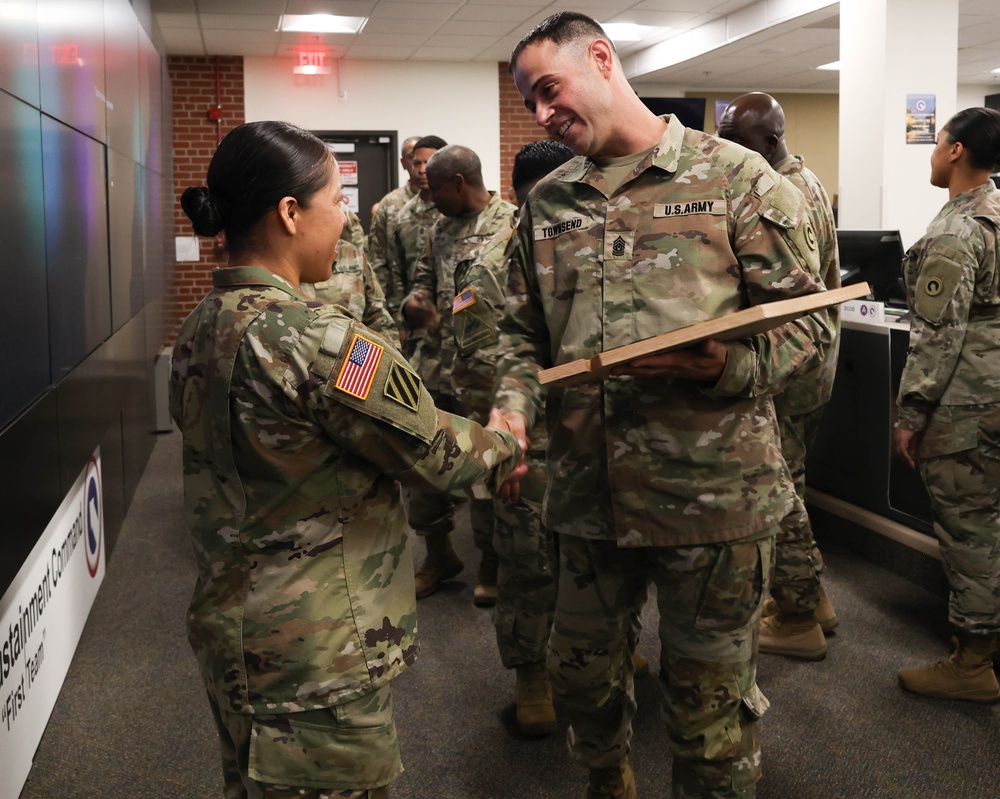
point(566, 88)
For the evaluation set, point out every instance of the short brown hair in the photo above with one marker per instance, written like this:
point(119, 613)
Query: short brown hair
point(566, 26)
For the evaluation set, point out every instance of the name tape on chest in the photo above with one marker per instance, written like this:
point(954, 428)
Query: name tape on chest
point(554, 229)
point(690, 208)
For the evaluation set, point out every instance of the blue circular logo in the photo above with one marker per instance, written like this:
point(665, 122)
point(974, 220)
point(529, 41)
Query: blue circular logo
point(93, 513)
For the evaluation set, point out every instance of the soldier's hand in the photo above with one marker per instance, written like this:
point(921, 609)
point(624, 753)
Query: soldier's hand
point(703, 362)
point(906, 445)
point(513, 423)
point(420, 312)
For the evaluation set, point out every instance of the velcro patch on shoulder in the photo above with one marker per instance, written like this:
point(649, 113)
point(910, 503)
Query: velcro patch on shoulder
point(373, 377)
point(403, 386)
point(939, 280)
point(782, 204)
point(357, 372)
point(463, 300)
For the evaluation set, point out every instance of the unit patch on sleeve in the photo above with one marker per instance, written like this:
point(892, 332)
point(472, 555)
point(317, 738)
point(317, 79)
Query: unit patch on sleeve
point(358, 371)
point(403, 386)
point(463, 301)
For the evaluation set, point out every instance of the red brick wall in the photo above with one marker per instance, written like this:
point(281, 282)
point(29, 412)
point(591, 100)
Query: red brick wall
point(517, 126)
point(195, 85)
point(196, 137)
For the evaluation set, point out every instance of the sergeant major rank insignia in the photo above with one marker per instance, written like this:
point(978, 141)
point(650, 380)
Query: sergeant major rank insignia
point(403, 387)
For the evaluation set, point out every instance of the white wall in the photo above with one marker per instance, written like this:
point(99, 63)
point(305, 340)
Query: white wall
point(970, 96)
point(460, 102)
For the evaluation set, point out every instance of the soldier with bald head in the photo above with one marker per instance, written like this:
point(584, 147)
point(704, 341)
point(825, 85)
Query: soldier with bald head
point(795, 622)
point(472, 217)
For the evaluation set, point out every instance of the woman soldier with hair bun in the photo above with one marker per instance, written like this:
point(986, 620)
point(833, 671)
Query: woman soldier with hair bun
point(949, 399)
point(297, 422)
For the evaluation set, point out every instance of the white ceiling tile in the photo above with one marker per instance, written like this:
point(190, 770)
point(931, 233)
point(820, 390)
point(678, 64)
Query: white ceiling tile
point(181, 41)
point(391, 25)
point(241, 22)
point(240, 6)
point(483, 30)
point(407, 10)
point(380, 53)
point(240, 42)
point(345, 8)
point(168, 20)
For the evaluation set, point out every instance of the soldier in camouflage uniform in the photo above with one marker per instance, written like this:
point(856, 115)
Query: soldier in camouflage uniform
point(802, 613)
point(431, 515)
point(526, 556)
point(949, 398)
point(472, 216)
point(297, 421)
point(380, 237)
point(670, 470)
point(354, 232)
point(409, 238)
point(354, 286)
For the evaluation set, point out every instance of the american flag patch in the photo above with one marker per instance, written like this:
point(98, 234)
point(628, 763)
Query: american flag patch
point(358, 371)
point(463, 301)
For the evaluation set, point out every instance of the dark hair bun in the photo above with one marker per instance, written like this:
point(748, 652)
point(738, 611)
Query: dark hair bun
point(202, 210)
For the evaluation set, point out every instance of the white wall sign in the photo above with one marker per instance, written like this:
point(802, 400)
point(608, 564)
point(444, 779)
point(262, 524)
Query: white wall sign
point(42, 616)
point(863, 311)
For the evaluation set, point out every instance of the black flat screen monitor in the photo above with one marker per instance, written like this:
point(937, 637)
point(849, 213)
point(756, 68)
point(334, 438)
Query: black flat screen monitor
point(875, 256)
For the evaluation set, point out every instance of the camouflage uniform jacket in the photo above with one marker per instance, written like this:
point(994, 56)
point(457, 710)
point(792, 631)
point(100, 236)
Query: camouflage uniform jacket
point(811, 391)
point(380, 237)
point(354, 286)
point(952, 278)
point(703, 229)
point(413, 227)
point(297, 421)
point(480, 299)
point(453, 240)
point(353, 231)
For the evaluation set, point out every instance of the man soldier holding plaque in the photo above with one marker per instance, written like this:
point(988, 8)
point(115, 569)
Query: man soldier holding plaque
point(670, 469)
point(796, 620)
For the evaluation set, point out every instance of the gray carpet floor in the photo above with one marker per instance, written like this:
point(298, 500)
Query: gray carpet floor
point(132, 721)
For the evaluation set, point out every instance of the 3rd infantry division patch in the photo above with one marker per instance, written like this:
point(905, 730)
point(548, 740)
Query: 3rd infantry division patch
point(403, 386)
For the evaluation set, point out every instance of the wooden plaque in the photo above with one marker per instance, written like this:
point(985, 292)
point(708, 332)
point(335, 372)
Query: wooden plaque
point(742, 324)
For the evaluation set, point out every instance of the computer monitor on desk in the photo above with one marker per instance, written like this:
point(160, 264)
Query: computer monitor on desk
point(875, 256)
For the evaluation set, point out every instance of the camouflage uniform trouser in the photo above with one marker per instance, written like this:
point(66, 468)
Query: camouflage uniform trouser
point(960, 466)
point(431, 514)
point(526, 584)
point(339, 752)
point(709, 600)
point(797, 561)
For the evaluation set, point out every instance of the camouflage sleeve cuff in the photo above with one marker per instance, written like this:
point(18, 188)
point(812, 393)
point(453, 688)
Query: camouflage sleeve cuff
point(515, 402)
point(738, 372)
point(911, 418)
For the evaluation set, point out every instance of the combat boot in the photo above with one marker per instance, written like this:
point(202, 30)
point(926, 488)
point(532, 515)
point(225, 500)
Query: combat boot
point(442, 563)
point(485, 593)
point(640, 664)
point(617, 782)
point(795, 635)
point(535, 712)
point(966, 675)
point(825, 615)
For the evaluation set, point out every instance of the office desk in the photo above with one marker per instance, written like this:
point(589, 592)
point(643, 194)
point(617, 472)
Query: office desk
point(852, 470)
